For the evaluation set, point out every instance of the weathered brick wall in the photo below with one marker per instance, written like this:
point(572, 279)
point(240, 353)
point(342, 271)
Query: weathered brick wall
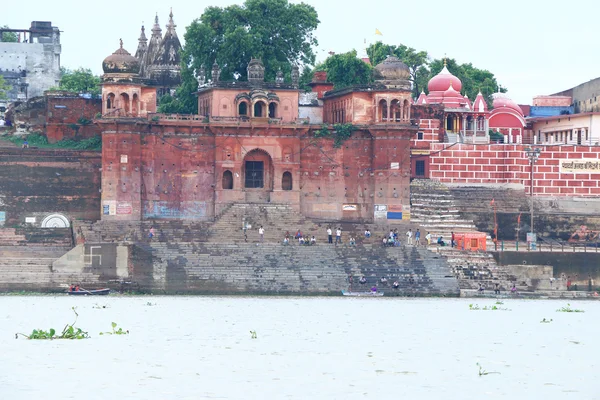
point(64, 114)
point(42, 182)
point(507, 164)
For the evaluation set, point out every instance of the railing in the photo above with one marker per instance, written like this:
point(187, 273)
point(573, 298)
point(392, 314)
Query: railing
point(176, 117)
point(155, 117)
point(505, 245)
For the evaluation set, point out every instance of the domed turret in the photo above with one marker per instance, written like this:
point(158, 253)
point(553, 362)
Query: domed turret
point(121, 62)
point(442, 81)
point(392, 73)
point(256, 71)
point(392, 69)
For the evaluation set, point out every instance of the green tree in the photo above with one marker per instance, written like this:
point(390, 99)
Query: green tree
point(343, 70)
point(473, 79)
point(4, 87)
point(346, 69)
point(276, 31)
point(9, 36)
point(80, 80)
point(416, 61)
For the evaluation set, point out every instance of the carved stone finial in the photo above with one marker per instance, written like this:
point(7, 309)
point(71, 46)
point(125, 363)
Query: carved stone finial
point(121, 42)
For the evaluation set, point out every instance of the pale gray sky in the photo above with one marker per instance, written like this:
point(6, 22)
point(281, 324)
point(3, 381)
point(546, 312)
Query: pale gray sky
point(532, 46)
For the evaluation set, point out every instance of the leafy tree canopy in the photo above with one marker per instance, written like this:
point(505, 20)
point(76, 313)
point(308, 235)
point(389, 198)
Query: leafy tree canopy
point(346, 70)
point(9, 36)
point(4, 87)
point(276, 31)
point(80, 80)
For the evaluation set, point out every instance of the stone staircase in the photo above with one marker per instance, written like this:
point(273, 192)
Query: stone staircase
point(271, 267)
point(28, 268)
point(473, 268)
point(434, 209)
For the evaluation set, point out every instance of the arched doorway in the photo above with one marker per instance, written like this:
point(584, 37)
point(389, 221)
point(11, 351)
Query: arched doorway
point(227, 180)
point(286, 181)
point(258, 176)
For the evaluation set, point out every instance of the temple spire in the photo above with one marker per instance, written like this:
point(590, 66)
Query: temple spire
point(142, 44)
point(171, 24)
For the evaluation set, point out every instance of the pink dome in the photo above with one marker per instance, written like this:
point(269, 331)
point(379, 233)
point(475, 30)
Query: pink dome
point(501, 100)
point(452, 93)
point(442, 81)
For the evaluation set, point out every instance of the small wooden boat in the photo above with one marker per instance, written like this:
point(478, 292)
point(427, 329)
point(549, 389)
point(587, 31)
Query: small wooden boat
point(362, 294)
point(92, 292)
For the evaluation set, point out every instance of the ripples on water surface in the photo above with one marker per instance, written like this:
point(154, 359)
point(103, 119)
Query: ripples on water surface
point(307, 348)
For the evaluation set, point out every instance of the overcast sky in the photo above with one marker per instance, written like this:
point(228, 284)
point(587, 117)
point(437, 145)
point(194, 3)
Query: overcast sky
point(532, 46)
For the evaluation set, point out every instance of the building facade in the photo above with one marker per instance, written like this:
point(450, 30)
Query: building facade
point(247, 144)
point(31, 65)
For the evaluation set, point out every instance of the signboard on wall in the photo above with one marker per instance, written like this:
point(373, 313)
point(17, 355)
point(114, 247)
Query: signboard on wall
point(406, 213)
point(123, 158)
point(349, 207)
point(380, 211)
point(394, 211)
point(395, 165)
point(584, 165)
point(109, 207)
point(124, 208)
point(2, 217)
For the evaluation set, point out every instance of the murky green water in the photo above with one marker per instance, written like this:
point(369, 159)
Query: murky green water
point(306, 348)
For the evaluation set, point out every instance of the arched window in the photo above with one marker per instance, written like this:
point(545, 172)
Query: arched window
point(243, 109)
point(134, 105)
point(395, 111)
point(259, 107)
point(286, 181)
point(383, 110)
point(227, 180)
point(273, 110)
point(406, 110)
point(124, 102)
point(110, 101)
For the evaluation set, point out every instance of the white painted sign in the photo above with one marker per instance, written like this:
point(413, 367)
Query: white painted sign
point(30, 220)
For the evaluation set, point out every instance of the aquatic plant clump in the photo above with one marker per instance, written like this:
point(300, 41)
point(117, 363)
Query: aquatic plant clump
point(115, 331)
point(69, 332)
point(569, 309)
point(475, 307)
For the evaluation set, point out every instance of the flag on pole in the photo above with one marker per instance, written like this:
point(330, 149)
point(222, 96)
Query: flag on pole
point(519, 219)
point(378, 32)
point(492, 202)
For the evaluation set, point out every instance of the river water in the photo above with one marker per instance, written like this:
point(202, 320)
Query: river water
point(306, 348)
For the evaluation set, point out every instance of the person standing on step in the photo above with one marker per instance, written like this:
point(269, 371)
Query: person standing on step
point(418, 238)
point(338, 236)
point(452, 239)
point(329, 235)
point(409, 237)
point(428, 238)
point(151, 233)
point(261, 232)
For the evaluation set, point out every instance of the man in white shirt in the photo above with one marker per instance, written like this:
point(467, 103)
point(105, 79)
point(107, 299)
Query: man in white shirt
point(409, 237)
point(338, 236)
point(330, 235)
point(261, 232)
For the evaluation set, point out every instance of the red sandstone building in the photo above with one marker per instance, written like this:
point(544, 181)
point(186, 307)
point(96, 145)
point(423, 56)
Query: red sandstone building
point(247, 144)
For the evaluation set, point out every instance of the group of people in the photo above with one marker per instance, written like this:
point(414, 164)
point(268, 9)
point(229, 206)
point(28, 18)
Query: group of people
point(74, 288)
point(481, 290)
point(303, 241)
